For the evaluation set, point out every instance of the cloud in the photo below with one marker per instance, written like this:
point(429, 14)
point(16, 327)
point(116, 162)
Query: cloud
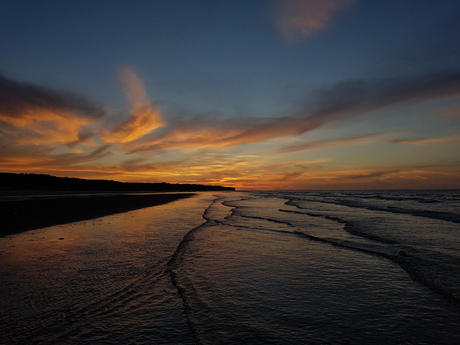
point(420, 141)
point(352, 98)
point(192, 134)
point(71, 159)
point(297, 19)
point(371, 173)
point(35, 122)
point(37, 115)
point(44, 157)
point(331, 176)
point(144, 117)
point(202, 132)
point(382, 92)
point(451, 112)
point(17, 96)
point(60, 122)
point(359, 140)
point(435, 176)
point(341, 102)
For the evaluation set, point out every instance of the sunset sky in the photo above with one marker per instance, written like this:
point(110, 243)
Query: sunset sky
point(254, 94)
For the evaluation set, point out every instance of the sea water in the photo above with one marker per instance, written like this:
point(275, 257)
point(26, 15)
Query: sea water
point(340, 267)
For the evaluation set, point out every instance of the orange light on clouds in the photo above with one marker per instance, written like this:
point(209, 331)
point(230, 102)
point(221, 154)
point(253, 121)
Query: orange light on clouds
point(143, 119)
point(283, 152)
point(22, 162)
point(265, 104)
point(37, 126)
point(190, 139)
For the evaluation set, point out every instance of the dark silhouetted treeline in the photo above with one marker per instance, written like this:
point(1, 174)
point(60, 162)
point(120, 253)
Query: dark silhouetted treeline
point(9, 181)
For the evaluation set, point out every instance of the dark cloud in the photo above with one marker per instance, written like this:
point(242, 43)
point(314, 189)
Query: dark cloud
point(446, 139)
point(340, 102)
point(36, 115)
point(15, 97)
point(355, 97)
point(355, 94)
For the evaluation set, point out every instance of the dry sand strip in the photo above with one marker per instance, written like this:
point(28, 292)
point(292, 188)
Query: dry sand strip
point(34, 213)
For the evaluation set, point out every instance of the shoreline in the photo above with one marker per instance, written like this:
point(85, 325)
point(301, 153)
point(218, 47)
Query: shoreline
point(29, 214)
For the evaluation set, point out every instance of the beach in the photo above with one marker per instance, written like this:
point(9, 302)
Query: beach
point(21, 211)
point(338, 267)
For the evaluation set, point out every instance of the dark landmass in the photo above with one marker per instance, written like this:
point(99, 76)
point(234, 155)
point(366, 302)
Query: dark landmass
point(10, 181)
point(23, 214)
point(47, 200)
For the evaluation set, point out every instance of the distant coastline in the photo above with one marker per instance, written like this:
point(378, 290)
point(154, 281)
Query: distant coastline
point(40, 182)
point(33, 201)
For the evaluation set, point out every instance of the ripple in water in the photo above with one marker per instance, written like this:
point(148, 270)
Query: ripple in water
point(233, 268)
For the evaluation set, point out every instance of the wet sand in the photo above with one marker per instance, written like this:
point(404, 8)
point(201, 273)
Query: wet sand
point(22, 214)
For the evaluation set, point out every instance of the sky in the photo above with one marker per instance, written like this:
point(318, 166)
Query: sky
point(256, 95)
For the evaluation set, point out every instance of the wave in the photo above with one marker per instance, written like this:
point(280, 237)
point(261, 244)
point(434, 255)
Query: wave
point(369, 232)
point(213, 215)
point(178, 280)
point(425, 265)
point(441, 215)
point(447, 216)
point(349, 226)
point(434, 273)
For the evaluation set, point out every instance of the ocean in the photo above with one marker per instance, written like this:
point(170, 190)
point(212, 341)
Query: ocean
point(270, 267)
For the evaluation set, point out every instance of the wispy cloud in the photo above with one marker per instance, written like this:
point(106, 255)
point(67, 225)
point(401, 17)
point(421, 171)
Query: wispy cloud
point(451, 112)
point(358, 140)
point(38, 115)
point(382, 92)
point(437, 176)
point(339, 103)
point(366, 174)
point(137, 149)
point(298, 19)
point(17, 96)
point(421, 141)
point(35, 159)
point(328, 175)
point(144, 117)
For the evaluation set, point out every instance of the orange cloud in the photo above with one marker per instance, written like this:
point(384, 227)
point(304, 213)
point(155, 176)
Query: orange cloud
point(22, 162)
point(203, 133)
point(35, 115)
point(45, 126)
point(57, 135)
point(341, 102)
point(144, 117)
point(341, 179)
point(297, 19)
point(44, 159)
point(189, 137)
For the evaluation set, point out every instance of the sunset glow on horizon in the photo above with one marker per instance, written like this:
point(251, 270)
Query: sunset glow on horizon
point(259, 95)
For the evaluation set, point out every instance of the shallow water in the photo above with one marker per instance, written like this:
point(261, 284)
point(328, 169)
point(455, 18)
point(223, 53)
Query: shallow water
point(232, 268)
point(97, 281)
